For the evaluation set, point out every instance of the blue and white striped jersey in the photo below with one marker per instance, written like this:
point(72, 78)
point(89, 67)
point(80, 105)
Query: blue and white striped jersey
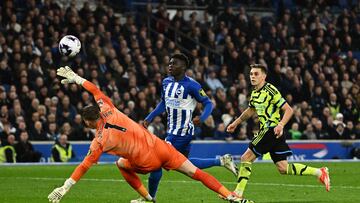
point(180, 99)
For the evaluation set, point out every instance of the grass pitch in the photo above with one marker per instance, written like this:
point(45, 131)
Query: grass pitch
point(104, 183)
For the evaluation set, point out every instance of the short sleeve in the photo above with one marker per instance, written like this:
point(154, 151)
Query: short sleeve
point(278, 100)
point(198, 92)
point(162, 91)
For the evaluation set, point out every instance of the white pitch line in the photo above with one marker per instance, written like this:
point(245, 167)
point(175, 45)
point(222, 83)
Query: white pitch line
point(187, 182)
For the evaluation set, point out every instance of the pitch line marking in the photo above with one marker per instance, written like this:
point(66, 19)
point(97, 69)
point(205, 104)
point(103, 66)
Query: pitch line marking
point(187, 182)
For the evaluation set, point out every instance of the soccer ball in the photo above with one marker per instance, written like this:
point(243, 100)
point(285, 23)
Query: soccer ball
point(69, 45)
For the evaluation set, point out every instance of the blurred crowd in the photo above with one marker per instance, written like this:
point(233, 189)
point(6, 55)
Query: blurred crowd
point(309, 51)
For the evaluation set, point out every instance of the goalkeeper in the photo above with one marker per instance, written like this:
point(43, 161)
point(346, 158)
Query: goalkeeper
point(140, 151)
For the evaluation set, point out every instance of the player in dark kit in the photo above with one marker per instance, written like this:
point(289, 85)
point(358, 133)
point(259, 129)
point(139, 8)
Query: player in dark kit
point(266, 101)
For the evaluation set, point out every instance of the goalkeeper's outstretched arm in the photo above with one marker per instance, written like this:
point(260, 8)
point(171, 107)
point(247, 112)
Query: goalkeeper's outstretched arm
point(92, 158)
point(71, 77)
point(56, 195)
point(95, 150)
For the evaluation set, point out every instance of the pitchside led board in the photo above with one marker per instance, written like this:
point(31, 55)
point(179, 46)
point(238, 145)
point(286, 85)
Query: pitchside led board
point(302, 150)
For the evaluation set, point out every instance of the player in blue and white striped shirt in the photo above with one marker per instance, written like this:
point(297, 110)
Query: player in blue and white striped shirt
point(179, 96)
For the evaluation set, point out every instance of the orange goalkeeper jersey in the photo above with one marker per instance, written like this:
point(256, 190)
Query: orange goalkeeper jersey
point(117, 134)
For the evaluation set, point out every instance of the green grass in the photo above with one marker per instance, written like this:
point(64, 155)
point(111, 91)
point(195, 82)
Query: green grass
point(104, 183)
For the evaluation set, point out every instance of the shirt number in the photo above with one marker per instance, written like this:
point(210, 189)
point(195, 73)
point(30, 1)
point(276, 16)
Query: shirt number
point(108, 125)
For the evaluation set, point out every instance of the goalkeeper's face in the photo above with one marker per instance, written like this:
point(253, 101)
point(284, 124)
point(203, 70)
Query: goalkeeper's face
point(91, 124)
point(257, 76)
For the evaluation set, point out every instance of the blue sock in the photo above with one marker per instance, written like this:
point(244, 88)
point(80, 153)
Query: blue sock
point(154, 180)
point(205, 163)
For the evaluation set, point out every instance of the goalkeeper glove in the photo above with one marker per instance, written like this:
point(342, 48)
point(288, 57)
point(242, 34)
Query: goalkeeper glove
point(70, 76)
point(58, 193)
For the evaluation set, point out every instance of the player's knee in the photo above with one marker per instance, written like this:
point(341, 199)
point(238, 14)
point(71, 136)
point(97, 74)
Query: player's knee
point(245, 158)
point(282, 170)
point(248, 156)
point(119, 163)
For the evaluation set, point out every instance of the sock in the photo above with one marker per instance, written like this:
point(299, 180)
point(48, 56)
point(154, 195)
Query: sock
point(144, 193)
point(243, 177)
point(301, 169)
point(205, 163)
point(135, 182)
point(210, 182)
point(154, 180)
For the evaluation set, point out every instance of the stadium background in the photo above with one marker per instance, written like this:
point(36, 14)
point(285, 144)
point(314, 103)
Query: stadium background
point(311, 49)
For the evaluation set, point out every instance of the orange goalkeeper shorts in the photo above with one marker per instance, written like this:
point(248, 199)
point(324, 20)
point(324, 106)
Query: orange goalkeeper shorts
point(163, 155)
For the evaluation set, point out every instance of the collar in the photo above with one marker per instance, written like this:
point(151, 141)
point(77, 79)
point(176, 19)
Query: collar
point(261, 87)
point(173, 78)
point(100, 123)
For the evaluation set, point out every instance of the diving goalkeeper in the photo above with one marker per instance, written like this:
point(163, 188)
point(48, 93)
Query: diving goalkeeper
point(140, 151)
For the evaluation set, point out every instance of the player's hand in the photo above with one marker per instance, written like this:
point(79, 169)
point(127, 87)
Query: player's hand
point(279, 130)
point(67, 73)
point(56, 195)
point(196, 120)
point(146, 123)
point(231, 128)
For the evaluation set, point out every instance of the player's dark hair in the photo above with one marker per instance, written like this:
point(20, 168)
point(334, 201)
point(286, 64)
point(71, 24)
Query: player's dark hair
point(183, 58)
point(262, 67)
point(90, 113)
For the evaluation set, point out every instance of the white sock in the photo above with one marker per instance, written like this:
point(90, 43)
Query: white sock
point(148, 197)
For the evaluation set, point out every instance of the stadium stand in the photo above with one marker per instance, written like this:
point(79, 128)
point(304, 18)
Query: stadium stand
point(312, 51)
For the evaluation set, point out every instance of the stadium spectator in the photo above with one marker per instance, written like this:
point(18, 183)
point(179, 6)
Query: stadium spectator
point(25, 151)
point(294, 132)
point(15, 112)
point(52, 131)
point(37, 131)
point(21, 126)
point(350, 112)
point(351, 131)
point(66, 111)
point(339, 118)
point(7, 150)
point(79, 131)
point(206, 130)
point(309, 133)
point(311, 54)
point(339, 132)
point(333, 105)
point(62, 150)
point(7, 130)
point(213, 82)
point(319, 131)
point(157, 128)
